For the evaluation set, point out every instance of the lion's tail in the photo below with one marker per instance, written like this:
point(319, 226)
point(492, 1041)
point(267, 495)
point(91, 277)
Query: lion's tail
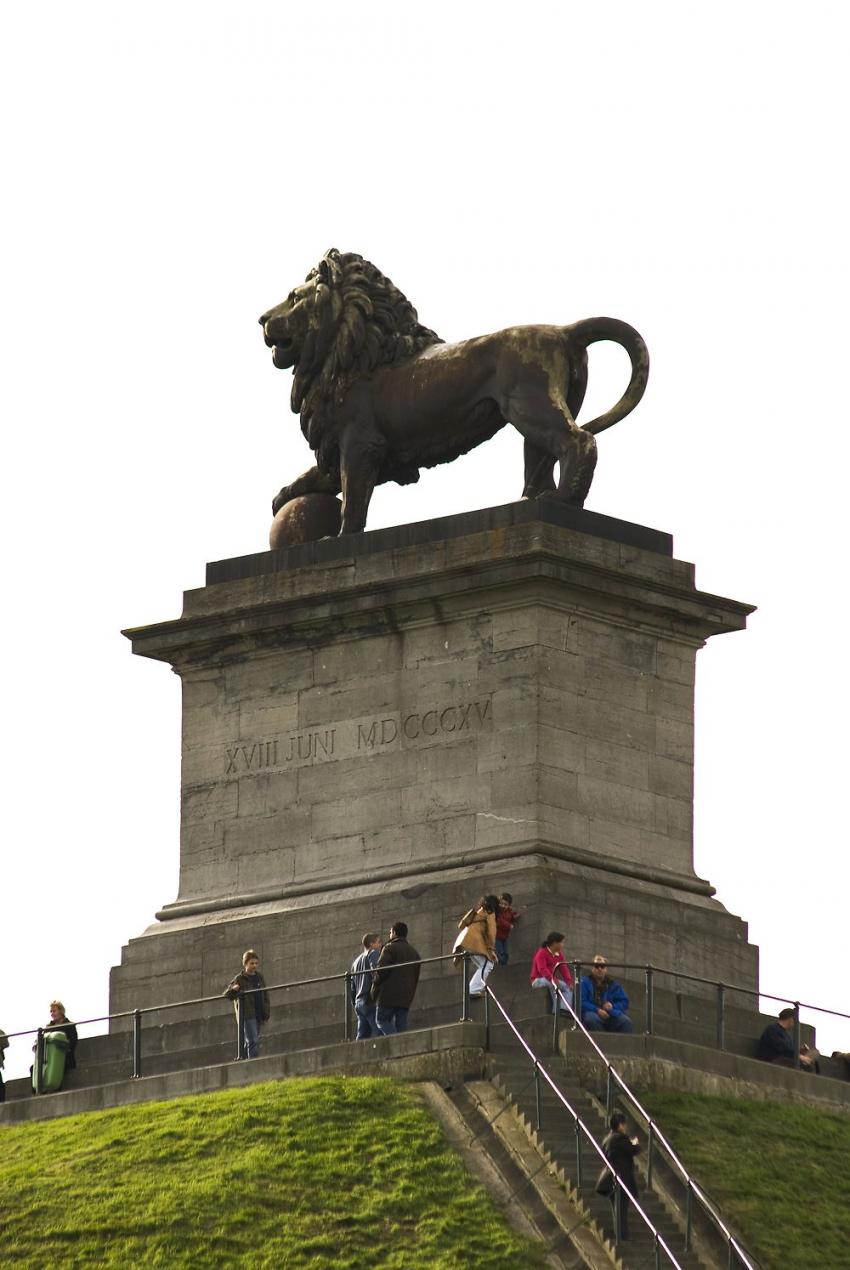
point(604, 328)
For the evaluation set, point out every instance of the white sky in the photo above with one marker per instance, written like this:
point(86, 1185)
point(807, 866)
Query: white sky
point(170, 170)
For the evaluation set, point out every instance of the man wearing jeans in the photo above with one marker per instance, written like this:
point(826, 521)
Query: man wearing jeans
point(603, 1001)
point(395, 981)
point(360, 984)
point(251, 986)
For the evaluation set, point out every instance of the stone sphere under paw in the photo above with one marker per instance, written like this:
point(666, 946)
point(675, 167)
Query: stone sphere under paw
point(306, 519)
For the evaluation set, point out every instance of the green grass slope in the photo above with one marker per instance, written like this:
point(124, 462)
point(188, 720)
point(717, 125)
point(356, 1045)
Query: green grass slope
point(778, 1171)
point(331, 1173)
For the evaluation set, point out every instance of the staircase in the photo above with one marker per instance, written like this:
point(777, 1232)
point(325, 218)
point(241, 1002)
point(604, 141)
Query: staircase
point(512, 1076)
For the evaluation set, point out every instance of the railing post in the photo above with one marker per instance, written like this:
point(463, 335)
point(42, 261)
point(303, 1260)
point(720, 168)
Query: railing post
point(39, 1061)
point(578, 1153)
point(721, 1016)
point(649, 1146)
point(796, 1034)
point(346, 1006)
point(650, 1002)
point(609, 1092)
point(689, 1216)
point(657, 1248)
point(537, 1104)
point(137, 1044)
point(486, 1018)
point(240, 1026)
point(555, 1011)
point(731, 1258)
point(464, 1009)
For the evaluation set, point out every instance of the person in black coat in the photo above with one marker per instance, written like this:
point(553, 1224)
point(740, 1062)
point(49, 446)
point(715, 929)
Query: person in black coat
point(620, 1151)
point(395, 983)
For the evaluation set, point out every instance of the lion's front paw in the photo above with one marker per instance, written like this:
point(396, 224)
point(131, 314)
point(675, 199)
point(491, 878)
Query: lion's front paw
point(280, 499)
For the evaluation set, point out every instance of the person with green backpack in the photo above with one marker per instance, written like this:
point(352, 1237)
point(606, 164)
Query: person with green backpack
point(60, 1043)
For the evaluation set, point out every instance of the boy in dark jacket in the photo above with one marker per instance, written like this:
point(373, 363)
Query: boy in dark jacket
point(395, 983)
point(255, 1002)
point(620, 1150)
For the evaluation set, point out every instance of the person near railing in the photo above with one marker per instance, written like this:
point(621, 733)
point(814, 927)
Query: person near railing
point(4, 1045)
point(506, 918)
point(478, 938)
point(395, 982)
point(360, 985)
point(59, 1022)
point(620, 1150)
point(604, 1003)
point(549, 969)
point(776, 1044)
point(256, 1010)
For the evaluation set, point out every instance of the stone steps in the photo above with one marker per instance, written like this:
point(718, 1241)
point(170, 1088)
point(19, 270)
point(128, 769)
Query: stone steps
point(557, 1137)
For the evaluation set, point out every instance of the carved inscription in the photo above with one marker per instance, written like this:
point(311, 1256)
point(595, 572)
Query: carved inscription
point(279, 752)
point(470, 715)
point(359, 737)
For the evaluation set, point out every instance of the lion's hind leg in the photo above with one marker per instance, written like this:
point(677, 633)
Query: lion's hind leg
point(549, 429)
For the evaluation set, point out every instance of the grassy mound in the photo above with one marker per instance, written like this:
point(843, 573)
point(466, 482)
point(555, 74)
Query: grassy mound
point(323, 1173)
point(777, 1170)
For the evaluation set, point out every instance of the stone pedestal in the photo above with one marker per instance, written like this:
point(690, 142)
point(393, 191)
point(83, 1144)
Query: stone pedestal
point(387, 725)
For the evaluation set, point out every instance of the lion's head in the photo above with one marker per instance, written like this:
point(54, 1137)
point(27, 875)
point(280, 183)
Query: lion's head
point(344, 321)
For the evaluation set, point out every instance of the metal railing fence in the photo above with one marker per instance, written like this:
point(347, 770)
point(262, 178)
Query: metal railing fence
point(583, 1134)
point(346, 977)
point(655, 1141)
point(650, 972)
point(721, 991)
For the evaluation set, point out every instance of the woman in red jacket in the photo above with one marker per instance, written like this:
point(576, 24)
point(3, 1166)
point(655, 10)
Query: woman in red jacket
point(549, 969)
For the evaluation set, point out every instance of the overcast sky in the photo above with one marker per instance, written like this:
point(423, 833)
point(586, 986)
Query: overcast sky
point(170, 170)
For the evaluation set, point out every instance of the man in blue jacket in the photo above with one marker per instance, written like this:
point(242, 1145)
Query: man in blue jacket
point(603, 1002)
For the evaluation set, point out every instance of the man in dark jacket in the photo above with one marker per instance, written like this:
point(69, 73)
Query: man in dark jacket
point(776, 1044)
point(395, 982)
point(603, 1001)
point(620, 1150)
point(251, 986)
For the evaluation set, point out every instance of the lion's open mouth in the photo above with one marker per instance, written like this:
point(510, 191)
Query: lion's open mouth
point(283, 355)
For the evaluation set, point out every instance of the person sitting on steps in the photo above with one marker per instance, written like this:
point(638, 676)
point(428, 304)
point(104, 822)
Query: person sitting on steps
point(603, 1001)
point(549, 969)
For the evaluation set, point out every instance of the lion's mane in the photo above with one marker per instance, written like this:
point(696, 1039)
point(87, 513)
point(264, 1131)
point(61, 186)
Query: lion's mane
point(359, 321)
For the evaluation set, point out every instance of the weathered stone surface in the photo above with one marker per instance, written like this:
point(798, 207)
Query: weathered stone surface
point(494, 701)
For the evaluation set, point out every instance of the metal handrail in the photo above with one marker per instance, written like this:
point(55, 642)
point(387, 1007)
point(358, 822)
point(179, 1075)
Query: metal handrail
point(540, 1070)
point(218, 996)
point(347, 976)
point(712, 983)
point(575, 965)
point(657, 1137)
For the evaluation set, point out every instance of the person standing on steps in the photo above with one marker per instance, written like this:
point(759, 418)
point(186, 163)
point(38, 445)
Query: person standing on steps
point(256, 1011)
point(360, 985)
point(603, 1002)
point(478, 938)
point(506, 918)
point(620, 1151)
point(395, 982)
point(549, 969)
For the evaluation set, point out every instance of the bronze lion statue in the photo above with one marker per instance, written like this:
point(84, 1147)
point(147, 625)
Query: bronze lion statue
point(381, 396)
